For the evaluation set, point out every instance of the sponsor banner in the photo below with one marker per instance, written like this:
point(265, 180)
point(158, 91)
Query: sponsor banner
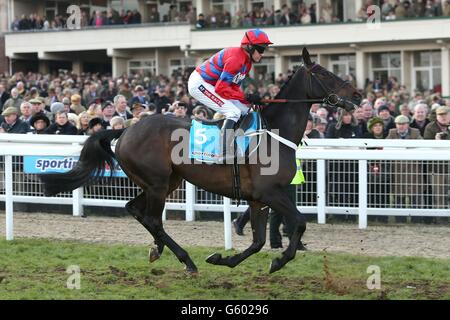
point(57, 164)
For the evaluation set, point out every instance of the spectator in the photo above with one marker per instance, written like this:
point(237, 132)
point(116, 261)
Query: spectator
point(375, 129)
point(3, 95)
point(120, 104)
point(439, 129)
point(179, 110)
point(108, 111)
point(83, 123)
point(420, 120)
point(61, 125)
point(383, 113)
point(39, 122)
point(95, 125)
point(136, 109)
point(140, 96)
point(287, 17)
point(310, 132)
point(76, 106)
point(14, 101)
point(12, 123)
point(117, 123)
point(201, 22)
point(345, 127)
point(412, 183)
point(25, 110)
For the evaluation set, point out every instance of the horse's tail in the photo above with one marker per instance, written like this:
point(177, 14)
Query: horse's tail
point(94, 156)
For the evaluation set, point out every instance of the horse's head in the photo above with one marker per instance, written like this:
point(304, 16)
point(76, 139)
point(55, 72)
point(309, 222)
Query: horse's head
point(325, 85)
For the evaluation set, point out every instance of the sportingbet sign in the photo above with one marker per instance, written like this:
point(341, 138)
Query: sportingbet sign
point(56, 164)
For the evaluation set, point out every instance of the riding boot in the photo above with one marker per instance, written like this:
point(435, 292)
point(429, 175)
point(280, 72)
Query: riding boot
point(226, 138)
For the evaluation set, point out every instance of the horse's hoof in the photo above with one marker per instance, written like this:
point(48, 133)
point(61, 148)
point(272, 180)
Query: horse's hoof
point(301, 247)
point(153, 255)
point(191, 271)
point(275, 265)
point(214, 258)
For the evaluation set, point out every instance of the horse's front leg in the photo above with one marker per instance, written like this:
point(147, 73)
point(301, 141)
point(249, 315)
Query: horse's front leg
point(258, 219)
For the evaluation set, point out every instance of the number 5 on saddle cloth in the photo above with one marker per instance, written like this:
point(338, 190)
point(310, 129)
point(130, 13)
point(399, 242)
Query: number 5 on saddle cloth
point(205, 142)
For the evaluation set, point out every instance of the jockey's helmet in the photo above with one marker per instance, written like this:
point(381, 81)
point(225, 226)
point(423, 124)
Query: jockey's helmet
point(255, 37)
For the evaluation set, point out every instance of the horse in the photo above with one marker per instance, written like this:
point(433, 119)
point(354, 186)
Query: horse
point(144, 150)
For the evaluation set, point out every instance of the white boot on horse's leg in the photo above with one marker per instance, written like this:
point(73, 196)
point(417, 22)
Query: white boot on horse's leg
point(226, 137)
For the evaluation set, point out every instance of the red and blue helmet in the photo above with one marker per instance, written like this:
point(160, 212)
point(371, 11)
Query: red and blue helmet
point(256, 37)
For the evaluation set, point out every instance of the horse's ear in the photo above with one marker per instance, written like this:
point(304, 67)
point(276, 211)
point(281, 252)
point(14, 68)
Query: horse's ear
point(306, 57)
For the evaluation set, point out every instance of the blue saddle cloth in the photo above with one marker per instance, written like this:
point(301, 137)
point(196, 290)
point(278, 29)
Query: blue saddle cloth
point(205, 144)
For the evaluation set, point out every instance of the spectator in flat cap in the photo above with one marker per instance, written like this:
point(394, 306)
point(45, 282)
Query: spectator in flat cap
point(61, 125)
point(39, 122)
point(11, 122)
point(439, 129)
point(402, 130)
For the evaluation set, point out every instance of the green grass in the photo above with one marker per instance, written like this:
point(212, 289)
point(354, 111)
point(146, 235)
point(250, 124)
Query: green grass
point(36, 269)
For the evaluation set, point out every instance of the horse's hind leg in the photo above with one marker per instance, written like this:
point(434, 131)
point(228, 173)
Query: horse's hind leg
point(258, 219)
point(136, 207)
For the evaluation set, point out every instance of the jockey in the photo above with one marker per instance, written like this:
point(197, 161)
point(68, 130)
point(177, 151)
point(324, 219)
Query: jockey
point(216, 82)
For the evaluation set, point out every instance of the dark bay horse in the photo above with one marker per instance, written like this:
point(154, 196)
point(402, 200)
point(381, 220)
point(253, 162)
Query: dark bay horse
point(144, 152)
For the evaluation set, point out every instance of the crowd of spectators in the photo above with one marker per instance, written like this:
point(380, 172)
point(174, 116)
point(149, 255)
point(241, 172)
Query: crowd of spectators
point(258, 16)
point(86, 96)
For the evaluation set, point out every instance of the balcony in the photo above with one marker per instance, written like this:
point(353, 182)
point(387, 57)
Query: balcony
point(115, 37)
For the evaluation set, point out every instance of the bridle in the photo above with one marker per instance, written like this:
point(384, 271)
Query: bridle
point(331, 98)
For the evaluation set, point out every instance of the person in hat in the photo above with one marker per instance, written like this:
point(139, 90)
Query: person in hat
point(139, 96)
point(413, 183)
point(439, 129)
point(76, 106)
point(388, 119)
point(108, 111)
point(136, 110)
point(95, 125)
point(403, 130)
point(39, 122)
point(216, 82)
point(11, 122)
point(375, 129)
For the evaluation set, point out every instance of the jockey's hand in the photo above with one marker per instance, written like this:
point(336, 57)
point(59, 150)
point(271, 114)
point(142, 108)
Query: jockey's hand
point(253, 98)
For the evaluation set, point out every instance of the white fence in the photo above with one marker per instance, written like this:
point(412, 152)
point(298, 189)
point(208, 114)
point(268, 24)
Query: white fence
point(392, 178)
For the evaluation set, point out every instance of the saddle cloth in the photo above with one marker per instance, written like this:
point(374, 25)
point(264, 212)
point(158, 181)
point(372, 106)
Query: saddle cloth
point(205, 144)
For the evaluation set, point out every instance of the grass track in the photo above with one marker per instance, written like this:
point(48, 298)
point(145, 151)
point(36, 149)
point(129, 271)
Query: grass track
point(36, 269)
